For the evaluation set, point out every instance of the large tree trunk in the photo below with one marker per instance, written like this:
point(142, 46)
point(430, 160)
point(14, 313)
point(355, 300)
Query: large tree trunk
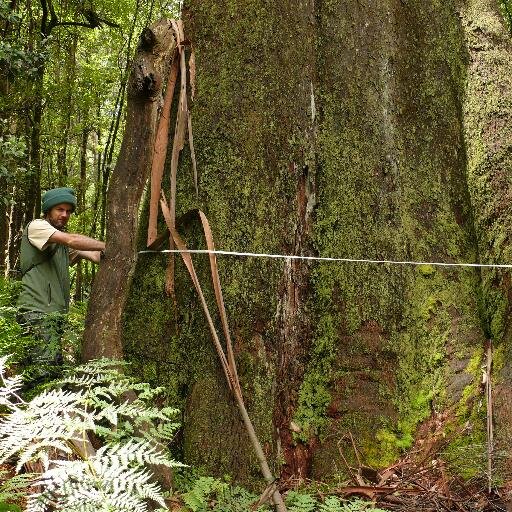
point(488, 131)
point(332, 128)
point(103, 326)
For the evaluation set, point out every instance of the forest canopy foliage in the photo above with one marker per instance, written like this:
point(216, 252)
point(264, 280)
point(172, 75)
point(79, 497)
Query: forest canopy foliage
point(64, 68)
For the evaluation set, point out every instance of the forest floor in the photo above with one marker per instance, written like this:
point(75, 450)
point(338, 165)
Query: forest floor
point(404, 487)
point(421, 481)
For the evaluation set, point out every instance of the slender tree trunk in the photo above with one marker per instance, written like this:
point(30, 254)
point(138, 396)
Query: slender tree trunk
point(70, 71)
point(82, 187)
point(4, 224)
point(29, 191)
point(33, 191)
point(97, 188)
point(4, 188)
point(17, 219)
point(78, 295)
point(103, 326)
point(106, 164)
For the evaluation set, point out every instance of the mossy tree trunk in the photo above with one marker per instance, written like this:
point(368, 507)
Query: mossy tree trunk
point(488, 135)
point(345, 129)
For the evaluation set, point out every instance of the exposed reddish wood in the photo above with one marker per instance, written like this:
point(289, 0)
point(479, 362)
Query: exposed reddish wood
point(294, 333)
point(157, 168)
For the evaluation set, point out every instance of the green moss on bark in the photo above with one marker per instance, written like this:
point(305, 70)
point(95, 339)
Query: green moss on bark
point(402, 197)
point(488, 134)
point(335, 128)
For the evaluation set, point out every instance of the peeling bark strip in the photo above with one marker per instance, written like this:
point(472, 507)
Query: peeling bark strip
point(490, 427)
point(227, 362)
point(177, 146)
point(103, 337)
point(183, 121)
point(157, 168)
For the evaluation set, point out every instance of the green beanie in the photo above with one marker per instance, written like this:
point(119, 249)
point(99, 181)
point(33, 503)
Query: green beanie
point(57, 196)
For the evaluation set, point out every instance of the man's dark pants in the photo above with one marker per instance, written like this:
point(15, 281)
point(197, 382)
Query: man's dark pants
point(45, 360)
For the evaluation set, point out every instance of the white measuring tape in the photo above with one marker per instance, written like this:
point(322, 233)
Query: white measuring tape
point(320, 258)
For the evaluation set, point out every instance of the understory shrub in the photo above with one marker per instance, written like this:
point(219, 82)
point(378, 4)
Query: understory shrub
point(18, 342)
point(205, 493)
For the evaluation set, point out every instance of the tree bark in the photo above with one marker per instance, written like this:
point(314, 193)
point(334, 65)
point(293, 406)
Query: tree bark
point(103, 325)
point(339, 129)
point(488, 135)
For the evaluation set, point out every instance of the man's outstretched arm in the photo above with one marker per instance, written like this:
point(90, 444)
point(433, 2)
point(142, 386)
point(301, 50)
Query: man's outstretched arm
point(94, 256)
point(86, 247)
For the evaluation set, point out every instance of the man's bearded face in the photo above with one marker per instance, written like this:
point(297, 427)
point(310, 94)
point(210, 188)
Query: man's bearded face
point(58, 216)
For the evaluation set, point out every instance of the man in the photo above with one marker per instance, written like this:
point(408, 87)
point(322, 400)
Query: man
point(47, 250)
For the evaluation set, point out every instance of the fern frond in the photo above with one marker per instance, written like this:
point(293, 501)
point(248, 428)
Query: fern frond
point(112, 478)
point(116, 477)
point(13, 487)
point(42, 425)
point(10, 387)
point(298, 502)
point(197, 497)
point(37, 503)
point(141, 452)
point(164, 431)
point(331, 504)
point(39, 451)
point(147, 393)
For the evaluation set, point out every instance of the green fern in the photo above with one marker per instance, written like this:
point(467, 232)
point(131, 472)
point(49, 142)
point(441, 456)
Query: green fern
point(211, 494)
point(14, 487)
point(9, 507)
point(105, 389)
point(52, 425)
point(359, 506)
point(9, 387)
point(208, 494)
point(197, 498)
point(13, 340)
point(302, 502)
point(299, 502)
point(331, 504)
point(113, 479)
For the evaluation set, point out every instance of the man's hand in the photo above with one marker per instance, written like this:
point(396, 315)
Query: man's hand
point(94, 256)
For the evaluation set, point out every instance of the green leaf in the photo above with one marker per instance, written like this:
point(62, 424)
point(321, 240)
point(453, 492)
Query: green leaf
point(9, 507)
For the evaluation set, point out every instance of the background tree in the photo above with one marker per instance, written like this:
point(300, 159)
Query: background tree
point(64, 73)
